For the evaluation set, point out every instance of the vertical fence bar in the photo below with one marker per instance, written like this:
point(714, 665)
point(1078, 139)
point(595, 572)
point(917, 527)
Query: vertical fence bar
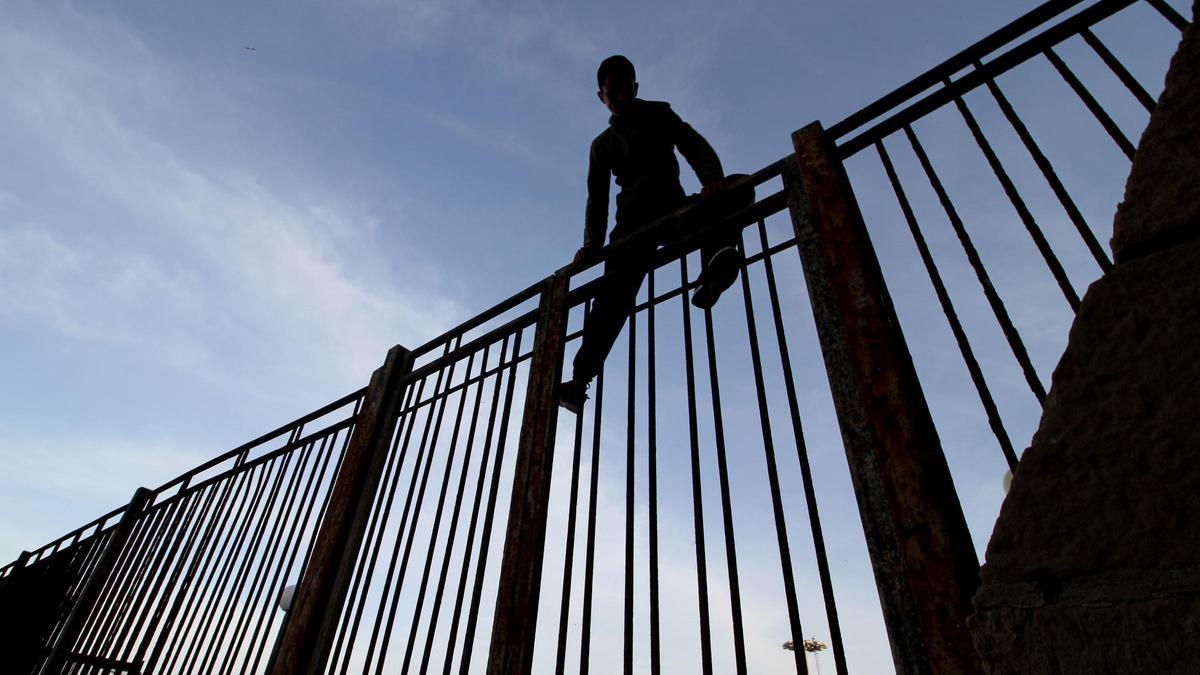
point(451, 538)
point(731, 563)
point(259, 598)
point(564, 610)
point(398, 563)
point(989, 290)
point(1014, 197)
point(437, 516)
point(312, 622)
point(169, 616)
point(943, 296)
point(589, 566)
point(515, 624)
point(352, 617)
point(1090, 101)
point(96, 581)
point(630, 487)
point(1169, 13)
point(920, 547)
point(200, 616)
point(810, 496)
point(153, 616)
point(485, 537)
point(113, 597)
point(706, 660)
point(652, 479)
point(291, 548)
point(152, 583)
point(1089, 238)
point(427, 450)
point(785, 553)
point(480, 489)
point(1114, 64)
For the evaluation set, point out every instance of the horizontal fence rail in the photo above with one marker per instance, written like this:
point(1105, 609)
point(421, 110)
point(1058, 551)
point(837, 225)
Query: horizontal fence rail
point(701, 512)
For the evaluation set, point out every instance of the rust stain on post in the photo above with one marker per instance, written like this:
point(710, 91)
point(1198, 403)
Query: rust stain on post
point(521, 568)
point(312, 622)
point(921, 550)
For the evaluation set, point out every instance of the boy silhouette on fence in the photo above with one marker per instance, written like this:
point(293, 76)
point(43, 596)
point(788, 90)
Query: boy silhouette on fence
point(638, 149)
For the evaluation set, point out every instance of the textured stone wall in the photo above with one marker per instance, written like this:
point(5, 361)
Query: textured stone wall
point(1094, 564)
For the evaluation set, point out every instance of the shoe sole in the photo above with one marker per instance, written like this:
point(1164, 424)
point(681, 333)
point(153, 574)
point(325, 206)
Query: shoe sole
point(720, 274)
point(722, 269)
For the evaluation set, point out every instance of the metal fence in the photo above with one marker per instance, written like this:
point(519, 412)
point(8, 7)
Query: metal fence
point(187, 577)
point(448, 519)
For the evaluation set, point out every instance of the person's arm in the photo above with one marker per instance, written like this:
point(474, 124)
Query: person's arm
point(698, 153)
point(596, 216)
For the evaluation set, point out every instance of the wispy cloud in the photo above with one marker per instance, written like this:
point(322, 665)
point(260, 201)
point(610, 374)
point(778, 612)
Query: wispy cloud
point(549, 54)
point(505, 141)
point(204, 265)
point(69, 473)
point(409, 24)
point(121, 232)
point(70, 466)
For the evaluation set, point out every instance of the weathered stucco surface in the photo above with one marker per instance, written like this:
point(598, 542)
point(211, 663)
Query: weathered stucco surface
point(1094, 564)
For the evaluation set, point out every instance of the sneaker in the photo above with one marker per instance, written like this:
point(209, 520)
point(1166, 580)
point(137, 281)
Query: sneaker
point(704, 298)
point(721, 272)
point(572, 394)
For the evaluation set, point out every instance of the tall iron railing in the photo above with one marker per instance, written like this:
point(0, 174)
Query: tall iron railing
point(438, 521)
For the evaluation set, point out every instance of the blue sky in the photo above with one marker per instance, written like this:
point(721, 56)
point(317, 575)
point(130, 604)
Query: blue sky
point(199, 242)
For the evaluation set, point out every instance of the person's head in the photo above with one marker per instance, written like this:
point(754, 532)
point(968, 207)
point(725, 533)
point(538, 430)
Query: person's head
point(618, 83)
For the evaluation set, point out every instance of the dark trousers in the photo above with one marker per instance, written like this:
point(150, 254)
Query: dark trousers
point(625, 271)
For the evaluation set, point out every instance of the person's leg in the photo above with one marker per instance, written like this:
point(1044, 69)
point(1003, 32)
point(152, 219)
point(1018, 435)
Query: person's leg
point(610, 309)
point(613, 303)
point(602, 325)
point(720, 258)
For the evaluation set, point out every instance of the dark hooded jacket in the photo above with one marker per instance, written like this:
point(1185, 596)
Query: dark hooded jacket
point(638, 148)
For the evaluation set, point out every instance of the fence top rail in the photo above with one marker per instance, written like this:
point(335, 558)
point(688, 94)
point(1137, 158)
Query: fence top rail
point(982, 73)
point(1017, 28)
point(253, 464)
point(247, 446)
point(98, 523)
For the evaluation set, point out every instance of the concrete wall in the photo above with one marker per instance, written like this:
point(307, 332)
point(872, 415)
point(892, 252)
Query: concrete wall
point(1094, 564)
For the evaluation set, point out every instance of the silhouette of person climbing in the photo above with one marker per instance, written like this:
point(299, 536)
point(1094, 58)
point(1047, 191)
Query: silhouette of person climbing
point(638, 149)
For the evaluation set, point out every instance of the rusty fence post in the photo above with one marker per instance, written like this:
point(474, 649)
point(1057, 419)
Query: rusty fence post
point(85, 603)
point(311, 623)
point(924, 561)
point(517, 598)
